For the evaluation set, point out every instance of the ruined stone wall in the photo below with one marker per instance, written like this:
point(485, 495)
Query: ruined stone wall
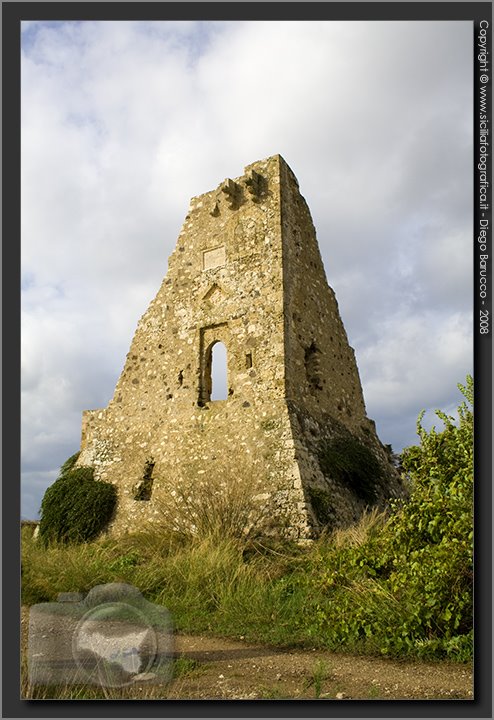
point(224, 283)
point(246, 271)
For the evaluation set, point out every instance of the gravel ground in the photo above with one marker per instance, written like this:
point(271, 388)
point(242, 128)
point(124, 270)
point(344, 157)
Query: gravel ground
point(233, 670)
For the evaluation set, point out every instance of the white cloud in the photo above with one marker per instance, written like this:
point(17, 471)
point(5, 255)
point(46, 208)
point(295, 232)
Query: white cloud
point(123, 122)
point(415, 365)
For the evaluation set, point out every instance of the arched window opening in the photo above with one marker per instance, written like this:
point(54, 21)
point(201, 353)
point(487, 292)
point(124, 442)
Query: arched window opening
point(214, 374)
point(219, 372)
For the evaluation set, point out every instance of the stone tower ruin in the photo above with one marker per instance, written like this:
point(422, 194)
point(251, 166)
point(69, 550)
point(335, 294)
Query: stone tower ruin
point(292, 430)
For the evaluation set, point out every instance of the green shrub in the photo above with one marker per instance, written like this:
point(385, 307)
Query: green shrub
point(429, 543)
point(408, 588)
point(68, 465)
point(322, 505)
point(352, 463)
point(76, 508)
point(82, 474)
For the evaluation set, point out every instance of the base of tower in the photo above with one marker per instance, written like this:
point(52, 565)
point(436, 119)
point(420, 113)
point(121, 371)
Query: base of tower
point(271, 471)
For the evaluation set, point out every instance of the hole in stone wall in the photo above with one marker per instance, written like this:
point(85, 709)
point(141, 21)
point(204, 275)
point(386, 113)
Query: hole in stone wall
point(248, 360)
point(219, 383)
point(214, 385)
point(144, 488)
point(313, 366)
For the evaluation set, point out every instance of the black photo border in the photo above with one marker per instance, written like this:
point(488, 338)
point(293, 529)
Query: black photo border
point(13, 707)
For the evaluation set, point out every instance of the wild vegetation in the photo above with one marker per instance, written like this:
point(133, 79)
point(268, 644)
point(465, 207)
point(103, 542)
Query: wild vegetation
point(396, 584)
point(352, 463)
point(76, 508)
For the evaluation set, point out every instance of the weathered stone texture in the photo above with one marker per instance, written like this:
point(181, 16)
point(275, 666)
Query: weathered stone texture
point(247, 272)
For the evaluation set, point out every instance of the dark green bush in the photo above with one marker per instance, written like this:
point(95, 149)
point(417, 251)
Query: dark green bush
point(83, 474)
point(76, 508)
point(68, 465)
point(322, 505)
point(352, 463)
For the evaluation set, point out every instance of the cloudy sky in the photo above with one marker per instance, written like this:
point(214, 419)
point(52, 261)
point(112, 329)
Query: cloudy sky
point(123, 122)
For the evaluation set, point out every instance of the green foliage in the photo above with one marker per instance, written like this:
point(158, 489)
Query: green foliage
point(352, 463)
point(61, 567)
point(76, 508)
point(184, 667)
point(126, 562)
point(322, 505)
point(429, 543)
point(319, 675)
point(68, 465)
point(414, 577)
point(80, 474)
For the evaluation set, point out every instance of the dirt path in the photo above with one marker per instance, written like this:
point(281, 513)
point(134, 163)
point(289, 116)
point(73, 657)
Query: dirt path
point(229, 669)
point(220, 668)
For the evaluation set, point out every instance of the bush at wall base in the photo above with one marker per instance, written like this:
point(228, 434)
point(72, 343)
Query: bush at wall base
point(76, 508)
